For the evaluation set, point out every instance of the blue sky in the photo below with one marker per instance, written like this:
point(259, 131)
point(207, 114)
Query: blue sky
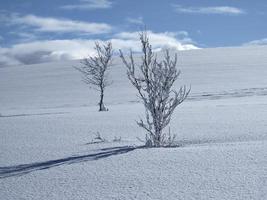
point(61, 30)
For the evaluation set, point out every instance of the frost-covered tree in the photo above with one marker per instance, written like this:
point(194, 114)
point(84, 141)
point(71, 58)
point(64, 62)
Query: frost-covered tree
point(153, 80)
point(95, 70)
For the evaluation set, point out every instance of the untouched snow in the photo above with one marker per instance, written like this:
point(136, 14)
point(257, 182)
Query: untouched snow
point(49, 117)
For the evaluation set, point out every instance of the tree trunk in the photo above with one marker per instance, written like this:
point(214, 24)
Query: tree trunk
point(157, 139)
point(101, 103)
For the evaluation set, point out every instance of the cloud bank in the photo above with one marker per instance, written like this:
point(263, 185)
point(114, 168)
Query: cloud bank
point(59, 50)
point(49, 24)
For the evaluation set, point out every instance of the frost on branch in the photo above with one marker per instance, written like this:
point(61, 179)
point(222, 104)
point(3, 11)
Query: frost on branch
point(153, 80)
point(95, 70)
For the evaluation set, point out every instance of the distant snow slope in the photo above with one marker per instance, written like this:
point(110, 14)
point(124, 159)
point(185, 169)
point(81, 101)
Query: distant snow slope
point(51, 85)
point(49, 117)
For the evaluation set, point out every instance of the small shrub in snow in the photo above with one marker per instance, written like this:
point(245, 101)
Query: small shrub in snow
point(154, 82)
point(116, 139)
point(95, 70)
point(98, 138)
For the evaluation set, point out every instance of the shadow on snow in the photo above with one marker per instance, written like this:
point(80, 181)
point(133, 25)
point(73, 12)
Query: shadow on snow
point(18, 170)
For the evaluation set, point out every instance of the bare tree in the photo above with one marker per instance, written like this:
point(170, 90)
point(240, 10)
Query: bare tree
point(95, 70)
point(154, 81)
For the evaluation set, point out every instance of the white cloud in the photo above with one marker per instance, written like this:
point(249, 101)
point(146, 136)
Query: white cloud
point(49, 24)
point(24, 36)
point(183, 33)
point(137, 21)
point(256, 42)
point(158, 40)
point(89, 5)
point(6, 59)
point(56, 50)
point(227, 10)
point(46, 50)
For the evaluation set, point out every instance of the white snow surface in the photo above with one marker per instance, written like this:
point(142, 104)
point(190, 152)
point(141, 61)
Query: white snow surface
point(48, 118)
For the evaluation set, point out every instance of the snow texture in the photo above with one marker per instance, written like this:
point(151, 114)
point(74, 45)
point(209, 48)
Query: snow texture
point(48, 119)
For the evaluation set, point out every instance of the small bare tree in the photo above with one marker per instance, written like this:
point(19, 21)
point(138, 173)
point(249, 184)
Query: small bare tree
point(154, 81)
point(95, 70)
